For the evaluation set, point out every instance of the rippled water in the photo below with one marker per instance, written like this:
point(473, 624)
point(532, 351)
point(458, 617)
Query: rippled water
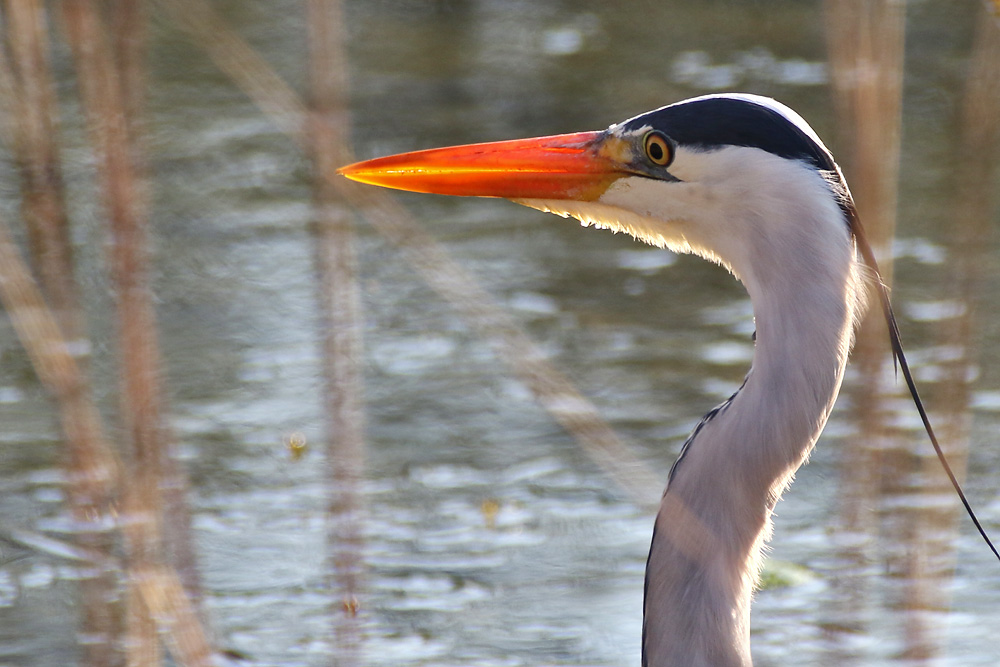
point(490, 538)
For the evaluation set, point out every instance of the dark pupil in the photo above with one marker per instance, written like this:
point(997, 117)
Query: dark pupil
point(655, 151)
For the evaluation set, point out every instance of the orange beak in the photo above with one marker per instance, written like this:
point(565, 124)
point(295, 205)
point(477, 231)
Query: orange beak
point(578, 166)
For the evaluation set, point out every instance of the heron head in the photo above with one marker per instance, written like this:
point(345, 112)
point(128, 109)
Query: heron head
point(687, 176)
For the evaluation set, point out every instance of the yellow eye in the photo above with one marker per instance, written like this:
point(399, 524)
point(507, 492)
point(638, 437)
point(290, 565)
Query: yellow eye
point(658, 148)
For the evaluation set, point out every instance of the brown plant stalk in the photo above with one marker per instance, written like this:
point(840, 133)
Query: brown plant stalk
point(106, 92)
point(341, 323)
point(90, 465)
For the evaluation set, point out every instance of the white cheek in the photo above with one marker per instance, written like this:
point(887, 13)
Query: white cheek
point(664, 202)
point(630, 194)
point(672, 212)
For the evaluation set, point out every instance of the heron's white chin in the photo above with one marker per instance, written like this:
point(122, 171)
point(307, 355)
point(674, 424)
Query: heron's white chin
point(606, 216)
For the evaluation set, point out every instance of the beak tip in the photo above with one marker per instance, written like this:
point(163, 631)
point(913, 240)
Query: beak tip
point(349, 171)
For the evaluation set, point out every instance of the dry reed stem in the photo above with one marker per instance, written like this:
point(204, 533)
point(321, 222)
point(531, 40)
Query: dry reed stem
point(175, 616)
point(341, 324)
point(551, 388)
point(97, 469)
point(141, 404)
point(865, 43)
point(127, 28)
point(865, 46)
point(43, 209)
point(34, 129)
point(865, 39)
point(980, 139)
point(7, 94)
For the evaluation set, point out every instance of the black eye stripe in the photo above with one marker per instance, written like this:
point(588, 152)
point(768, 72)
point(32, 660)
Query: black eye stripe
point(716, 121)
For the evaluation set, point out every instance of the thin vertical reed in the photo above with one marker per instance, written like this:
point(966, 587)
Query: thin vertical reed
point(865, 43)
point(139, 404)
point(33, 121)
point(106, 106)
point(865, 40)
point(127, 27)
point(341, 321)
point(34, 130)
point(128, 30)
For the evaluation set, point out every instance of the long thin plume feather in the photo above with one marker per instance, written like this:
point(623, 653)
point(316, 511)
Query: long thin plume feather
point(900, 360)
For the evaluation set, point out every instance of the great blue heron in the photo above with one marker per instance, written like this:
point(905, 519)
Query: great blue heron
point(743, 181)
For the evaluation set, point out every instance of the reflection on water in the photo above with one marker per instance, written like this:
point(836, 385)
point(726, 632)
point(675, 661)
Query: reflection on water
point(491, 539)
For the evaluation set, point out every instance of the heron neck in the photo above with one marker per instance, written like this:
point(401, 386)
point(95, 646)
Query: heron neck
point(716, 512)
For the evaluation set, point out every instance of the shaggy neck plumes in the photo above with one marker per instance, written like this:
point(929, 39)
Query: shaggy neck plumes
point(715, 515)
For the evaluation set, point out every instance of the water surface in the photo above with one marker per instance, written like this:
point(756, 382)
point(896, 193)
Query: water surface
point(491, 539)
